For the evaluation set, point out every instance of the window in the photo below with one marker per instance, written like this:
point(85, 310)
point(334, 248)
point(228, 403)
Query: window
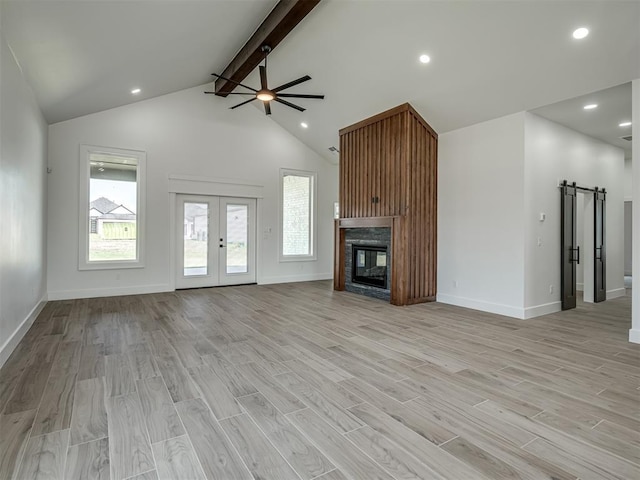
point(298, 206)
point(111, 208)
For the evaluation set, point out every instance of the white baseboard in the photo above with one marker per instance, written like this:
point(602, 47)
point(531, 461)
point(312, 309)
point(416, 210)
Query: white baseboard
point(544, 309)
point(109, 292)
point(580, 287)
point(634, 335)
point(498, 308)
point(309, 277)
point(616, 293)
point(12, 342)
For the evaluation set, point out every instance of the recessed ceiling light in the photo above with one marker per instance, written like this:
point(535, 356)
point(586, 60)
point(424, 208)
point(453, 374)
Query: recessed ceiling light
point(304, 125)
point(580, 33)
point(425, 58)
point(625, 124)
point(591, 106)
point(135, 91)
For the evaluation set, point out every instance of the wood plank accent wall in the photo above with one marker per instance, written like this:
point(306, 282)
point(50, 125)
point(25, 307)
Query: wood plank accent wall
point(388, 168)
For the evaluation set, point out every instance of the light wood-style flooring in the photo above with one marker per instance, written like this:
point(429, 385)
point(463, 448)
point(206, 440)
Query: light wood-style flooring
point(299, 382)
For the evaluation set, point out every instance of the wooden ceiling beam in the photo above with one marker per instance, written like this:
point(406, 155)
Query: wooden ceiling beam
point(278, 24)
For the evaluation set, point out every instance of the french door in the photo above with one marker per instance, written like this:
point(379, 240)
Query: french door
point(216, 240)
point(570, 252)
point(600, 264)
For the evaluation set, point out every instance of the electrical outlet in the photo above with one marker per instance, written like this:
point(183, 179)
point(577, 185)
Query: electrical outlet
point(550, 288)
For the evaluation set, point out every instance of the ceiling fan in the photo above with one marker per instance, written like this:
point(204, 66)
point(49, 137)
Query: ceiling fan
point(266, 94)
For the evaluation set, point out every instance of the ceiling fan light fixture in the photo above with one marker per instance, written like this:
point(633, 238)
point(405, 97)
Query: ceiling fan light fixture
point(580, 33)
point(265, 95)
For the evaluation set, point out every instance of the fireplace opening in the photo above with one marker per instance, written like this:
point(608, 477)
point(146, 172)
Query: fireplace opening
point(369, 265)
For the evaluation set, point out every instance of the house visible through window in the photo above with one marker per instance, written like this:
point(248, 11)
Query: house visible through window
point(112, 201)
point(297, 214)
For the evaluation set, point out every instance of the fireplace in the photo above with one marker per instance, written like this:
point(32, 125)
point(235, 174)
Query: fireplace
point(367, 261)
point(369, 265)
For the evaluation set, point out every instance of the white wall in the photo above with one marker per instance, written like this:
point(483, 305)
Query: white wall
point(634, 333)
point(184, 133)
point(628, 179)
point(554, 153)
point(23, 138)
point(480, 216)
point(494, 180)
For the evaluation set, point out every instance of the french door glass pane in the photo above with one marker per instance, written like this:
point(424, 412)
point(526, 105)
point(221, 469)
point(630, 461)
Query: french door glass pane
point(196, 235)
point(237, 238)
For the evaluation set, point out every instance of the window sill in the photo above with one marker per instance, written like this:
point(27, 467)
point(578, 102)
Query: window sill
point(298, 258)
point(108, 265)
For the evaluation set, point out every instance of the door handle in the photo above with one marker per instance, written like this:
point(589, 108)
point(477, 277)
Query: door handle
point(577, 249)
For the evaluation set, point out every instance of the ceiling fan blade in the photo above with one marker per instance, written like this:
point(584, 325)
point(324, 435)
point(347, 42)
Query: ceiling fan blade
point(284, 102)
point(302, 95)
point(263, 77)
point(267, 108)
point(291, 84)
point(243, 103)
point(233, 81)
point(231, 93)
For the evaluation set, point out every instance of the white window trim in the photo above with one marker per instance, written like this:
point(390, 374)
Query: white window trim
point(83, 219)
point(313, 255)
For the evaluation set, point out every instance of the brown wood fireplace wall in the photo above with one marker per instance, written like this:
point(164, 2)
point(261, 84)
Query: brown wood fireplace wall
point(388, 177)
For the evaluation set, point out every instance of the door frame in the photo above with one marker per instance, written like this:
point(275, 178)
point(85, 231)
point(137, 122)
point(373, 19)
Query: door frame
point(212, 186)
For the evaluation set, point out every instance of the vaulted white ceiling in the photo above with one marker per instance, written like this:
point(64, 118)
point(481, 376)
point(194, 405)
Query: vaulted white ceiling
point(602, 122)
point(488, 58)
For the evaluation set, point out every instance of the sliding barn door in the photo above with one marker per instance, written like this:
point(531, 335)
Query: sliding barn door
point(600, 256)
point(570, 253)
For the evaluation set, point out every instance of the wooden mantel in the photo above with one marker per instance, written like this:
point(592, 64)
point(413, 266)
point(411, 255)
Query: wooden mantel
point(388, 178)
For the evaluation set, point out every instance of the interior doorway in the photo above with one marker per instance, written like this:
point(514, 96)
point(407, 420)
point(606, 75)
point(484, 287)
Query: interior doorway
point(216, 239)
point(583, 244)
